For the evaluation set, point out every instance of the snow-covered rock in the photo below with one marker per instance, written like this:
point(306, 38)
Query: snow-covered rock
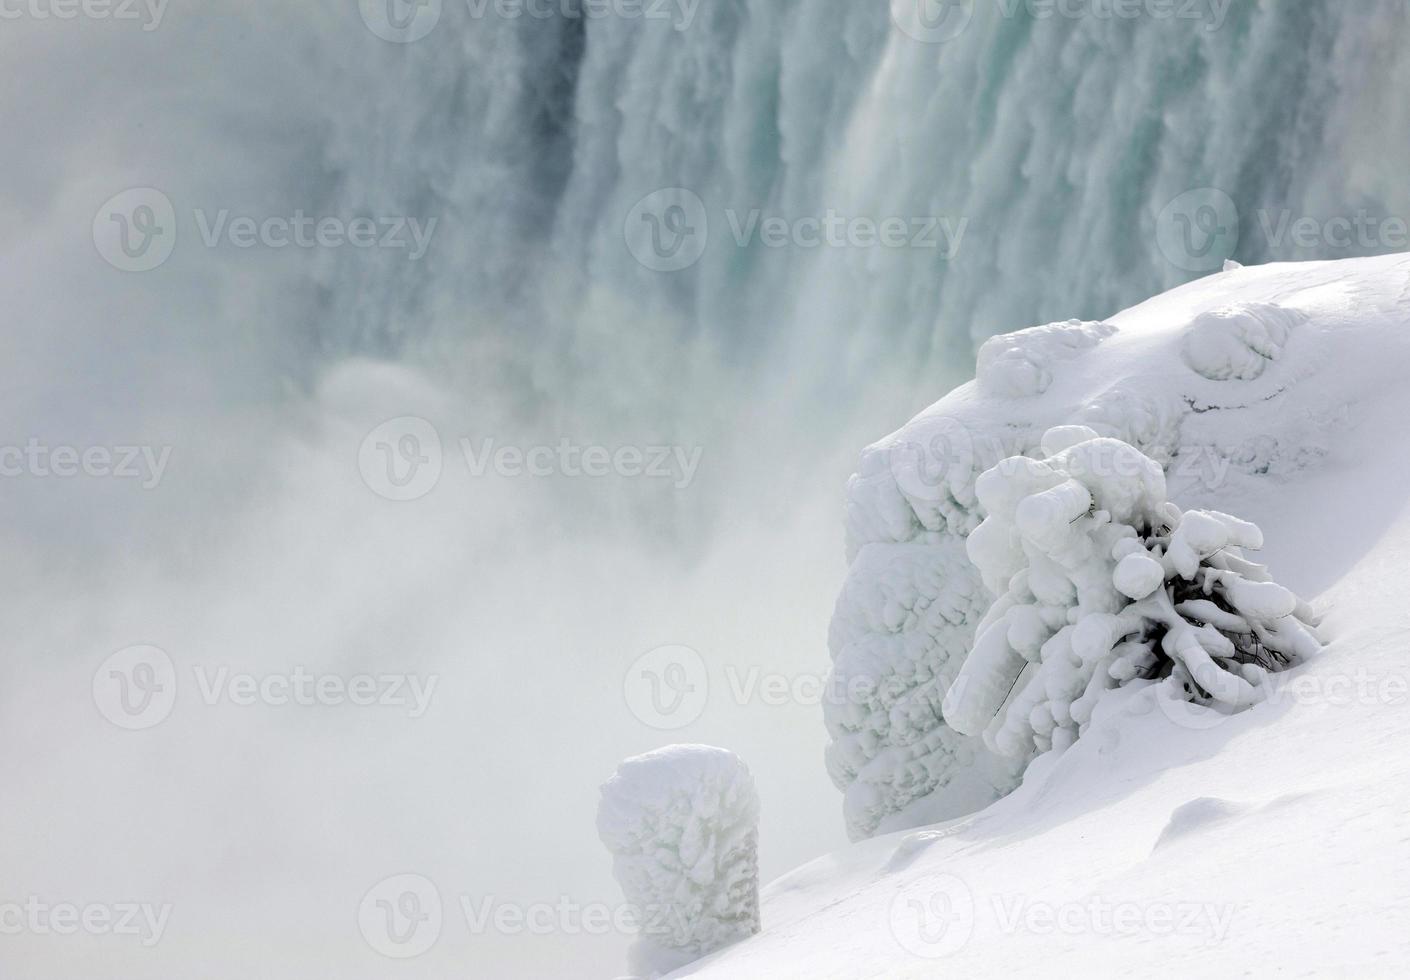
point(1172, 839)
point(682, 824)
point(1168, 379)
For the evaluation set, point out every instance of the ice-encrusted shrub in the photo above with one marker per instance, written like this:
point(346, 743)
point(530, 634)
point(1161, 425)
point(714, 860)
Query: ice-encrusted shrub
point(681, 824)
point(906, 617)
point(1103, 582)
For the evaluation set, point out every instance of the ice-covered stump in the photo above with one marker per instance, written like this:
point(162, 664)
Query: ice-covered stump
point(1103, 582)
point(682, 826)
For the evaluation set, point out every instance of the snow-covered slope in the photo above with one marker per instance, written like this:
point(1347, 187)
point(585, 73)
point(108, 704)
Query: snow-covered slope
point(1276, 841)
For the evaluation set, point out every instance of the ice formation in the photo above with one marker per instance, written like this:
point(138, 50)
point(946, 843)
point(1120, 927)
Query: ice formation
point(681, 824)
point(903, 604)
point(1202, 399)
point(1102, 582)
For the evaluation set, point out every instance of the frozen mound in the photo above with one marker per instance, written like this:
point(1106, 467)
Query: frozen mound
point(1163, 813)
point(1238, 342)
point(1194, 384)
point(905, 602)
point(682, 824)
point(1019, 365)
point(1102, 582)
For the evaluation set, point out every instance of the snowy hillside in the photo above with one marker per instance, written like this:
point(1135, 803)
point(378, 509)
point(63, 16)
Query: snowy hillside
point(1169, 837)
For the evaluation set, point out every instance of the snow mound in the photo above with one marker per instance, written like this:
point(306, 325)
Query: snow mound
point(1171, 839)
point(1238, 342)
point(1156, 378)
point(1020, 365)
point(682, 826)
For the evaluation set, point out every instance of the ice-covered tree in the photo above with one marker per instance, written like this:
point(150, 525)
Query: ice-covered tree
point(1103, 582)
point(905, 620)
point(682, 826)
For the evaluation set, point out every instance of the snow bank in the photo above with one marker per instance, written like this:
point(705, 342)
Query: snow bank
point(1170, 839)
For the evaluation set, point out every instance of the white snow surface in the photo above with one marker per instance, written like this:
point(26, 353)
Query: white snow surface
point(1170, 839)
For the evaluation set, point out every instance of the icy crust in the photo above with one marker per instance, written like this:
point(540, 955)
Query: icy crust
point(917, 492)
point(1104, 582)
point(902, 626)
point(681, 824)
